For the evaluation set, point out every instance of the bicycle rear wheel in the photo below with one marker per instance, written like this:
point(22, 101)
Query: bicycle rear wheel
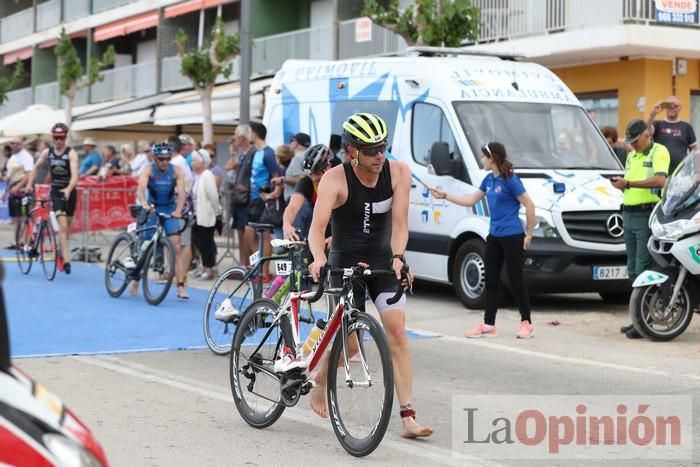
point(227, 299)
point(158, 271)
point(24, 243)
point(255, 388)
point(360, 400)
point(48, 251)
point(121, 254)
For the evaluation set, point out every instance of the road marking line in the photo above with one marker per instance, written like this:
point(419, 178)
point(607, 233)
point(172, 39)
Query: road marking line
point(555, 357)
point(144, 372)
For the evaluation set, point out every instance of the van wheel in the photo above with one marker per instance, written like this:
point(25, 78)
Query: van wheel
point(469, 273)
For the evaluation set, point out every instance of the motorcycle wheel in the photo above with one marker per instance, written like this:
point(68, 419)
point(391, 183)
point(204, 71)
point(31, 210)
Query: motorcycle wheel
point(650, 318)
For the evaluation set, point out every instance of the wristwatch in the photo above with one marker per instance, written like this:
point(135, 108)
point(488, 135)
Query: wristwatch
point(399, 256)
point(627, 185)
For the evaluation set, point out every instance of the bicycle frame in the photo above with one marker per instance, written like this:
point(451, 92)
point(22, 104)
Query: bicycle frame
point(289, 309)
point(153, 241)
point(41, 214)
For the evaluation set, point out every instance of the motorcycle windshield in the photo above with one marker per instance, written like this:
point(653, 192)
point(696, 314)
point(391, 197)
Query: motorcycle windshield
point(683, 188)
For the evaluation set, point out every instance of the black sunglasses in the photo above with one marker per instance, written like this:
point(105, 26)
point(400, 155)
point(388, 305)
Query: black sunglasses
point(371, 152)
point(163, 158)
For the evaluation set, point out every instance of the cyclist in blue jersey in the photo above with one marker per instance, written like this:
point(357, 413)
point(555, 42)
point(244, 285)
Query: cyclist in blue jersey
point(162, 185)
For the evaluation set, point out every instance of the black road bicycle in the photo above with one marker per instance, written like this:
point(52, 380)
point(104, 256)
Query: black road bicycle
point(236, 287)
point(134, 255)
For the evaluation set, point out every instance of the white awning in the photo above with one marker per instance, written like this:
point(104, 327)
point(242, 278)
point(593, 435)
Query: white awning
point(130, 112)
point(38, 119)
point(108, 121)
point(185, 107)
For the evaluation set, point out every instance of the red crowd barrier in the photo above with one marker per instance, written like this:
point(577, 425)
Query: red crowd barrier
point(101, 204)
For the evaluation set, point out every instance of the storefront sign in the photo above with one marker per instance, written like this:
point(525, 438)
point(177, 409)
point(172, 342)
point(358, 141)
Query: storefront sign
point(677, 11)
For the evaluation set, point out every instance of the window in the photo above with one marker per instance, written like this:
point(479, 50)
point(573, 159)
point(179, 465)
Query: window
point(537, 135)
point(429, 126)
point(695, 111)
point(602, 107)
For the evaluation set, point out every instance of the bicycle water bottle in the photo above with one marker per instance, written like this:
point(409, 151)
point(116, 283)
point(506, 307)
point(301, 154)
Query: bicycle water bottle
point(314, 335)
point(144, 245)
point(274, 287)
point(54, 221)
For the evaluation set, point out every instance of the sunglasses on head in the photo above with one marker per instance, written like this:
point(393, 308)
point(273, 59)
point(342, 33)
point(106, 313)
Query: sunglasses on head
point(371, 152)
point(487, 151)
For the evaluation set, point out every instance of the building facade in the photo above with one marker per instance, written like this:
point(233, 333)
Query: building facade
point(618, 56)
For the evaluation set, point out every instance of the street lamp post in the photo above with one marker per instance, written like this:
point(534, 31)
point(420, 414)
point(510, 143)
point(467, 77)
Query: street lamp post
point(246, 40)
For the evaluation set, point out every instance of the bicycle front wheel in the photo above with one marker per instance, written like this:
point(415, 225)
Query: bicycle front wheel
point(24, 244)
point(257, 343)
point(360, 396)
point(158, 271)
point(48, 251)
point(227, 299)
point(121, 255)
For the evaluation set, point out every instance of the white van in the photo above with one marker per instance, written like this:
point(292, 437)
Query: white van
point(441, 106)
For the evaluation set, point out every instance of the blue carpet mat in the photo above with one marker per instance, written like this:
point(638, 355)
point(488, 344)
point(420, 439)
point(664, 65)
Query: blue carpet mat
point(74, 315)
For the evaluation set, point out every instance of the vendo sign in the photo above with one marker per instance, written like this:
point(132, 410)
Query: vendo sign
point(677, 11)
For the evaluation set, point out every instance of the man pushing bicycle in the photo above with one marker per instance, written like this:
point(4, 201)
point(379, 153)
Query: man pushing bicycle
point(165, 185)
point(366, 200)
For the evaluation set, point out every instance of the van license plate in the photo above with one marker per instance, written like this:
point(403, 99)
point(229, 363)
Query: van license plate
point(606, 273)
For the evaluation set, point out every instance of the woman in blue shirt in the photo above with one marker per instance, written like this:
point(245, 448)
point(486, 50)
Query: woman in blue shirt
point(506, 240)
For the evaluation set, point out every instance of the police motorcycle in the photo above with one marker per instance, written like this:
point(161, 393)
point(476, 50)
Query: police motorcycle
point(664, 298)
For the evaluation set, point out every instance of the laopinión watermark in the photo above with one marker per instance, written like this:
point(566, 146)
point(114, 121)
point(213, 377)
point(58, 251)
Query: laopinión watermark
point(573, 427)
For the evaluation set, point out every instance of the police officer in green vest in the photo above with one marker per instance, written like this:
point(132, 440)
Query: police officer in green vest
point(646, 169)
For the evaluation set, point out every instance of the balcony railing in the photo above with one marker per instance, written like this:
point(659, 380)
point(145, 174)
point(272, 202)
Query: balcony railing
point(48, 94)
point(511, 19)
point(78, 9)
point(172, 79)
point(383, 41)
point(270, 52)
point(17, 25)
point(124, 82)
point(17, 101)
point(48, 14)
point(102, 5)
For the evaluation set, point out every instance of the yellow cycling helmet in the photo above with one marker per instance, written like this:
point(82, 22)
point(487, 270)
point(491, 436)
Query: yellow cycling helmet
point(365, 129)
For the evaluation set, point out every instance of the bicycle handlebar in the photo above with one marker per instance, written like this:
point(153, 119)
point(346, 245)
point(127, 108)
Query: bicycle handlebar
point(185, 218)
point(355, 272)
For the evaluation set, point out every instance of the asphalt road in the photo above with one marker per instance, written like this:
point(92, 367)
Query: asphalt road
point(175, 408)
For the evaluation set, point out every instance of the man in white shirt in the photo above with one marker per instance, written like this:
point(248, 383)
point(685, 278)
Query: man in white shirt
point(179, 160)
point(295, 172)
point(142, 159)
point(19, 165)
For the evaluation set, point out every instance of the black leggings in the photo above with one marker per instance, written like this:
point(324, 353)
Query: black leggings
point(510, 250)
point(203, 238)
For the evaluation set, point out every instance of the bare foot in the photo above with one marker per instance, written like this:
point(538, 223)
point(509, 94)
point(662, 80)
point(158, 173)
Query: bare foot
point(319, 403)
point(134, 288)
point(181, 293)
point(411, 429)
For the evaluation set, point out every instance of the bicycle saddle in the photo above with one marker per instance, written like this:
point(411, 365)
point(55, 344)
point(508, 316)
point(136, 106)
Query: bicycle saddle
point(261, 227)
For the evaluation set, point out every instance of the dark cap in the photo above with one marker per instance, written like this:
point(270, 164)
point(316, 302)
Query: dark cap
point(635, 128)
point(303, 139)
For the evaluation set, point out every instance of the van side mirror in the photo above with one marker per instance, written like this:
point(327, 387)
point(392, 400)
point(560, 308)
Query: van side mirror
point(444, 163)
point(440, 158)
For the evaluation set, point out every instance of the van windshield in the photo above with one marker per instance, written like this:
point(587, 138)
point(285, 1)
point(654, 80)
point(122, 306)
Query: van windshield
point(537, 135)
